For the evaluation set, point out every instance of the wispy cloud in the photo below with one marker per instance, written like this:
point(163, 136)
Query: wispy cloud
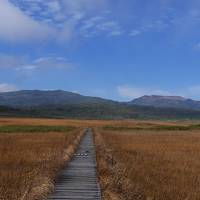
point(100, 25)
point(135, 33)
point(112, 27)
point(44, 63)
point(55, 19)
point(39, 19)
point(128, 92)
point(5, 87)
point(167, 17)
point(131, 92)
point(21, 63)
point(83, 5)
point(16, 26)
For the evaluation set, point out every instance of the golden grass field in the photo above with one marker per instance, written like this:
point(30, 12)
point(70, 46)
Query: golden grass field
point(137, 160)
point(29, 162)
point(149, 165)
point(87, 123)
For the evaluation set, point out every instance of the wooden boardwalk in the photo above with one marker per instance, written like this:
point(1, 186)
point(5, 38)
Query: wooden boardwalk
point(79, 181)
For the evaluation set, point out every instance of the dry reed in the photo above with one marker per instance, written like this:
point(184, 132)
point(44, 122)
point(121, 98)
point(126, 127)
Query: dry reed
point(29, 163)
point(149, 165)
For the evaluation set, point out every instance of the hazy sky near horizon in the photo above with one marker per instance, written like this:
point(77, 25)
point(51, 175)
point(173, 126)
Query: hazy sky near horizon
point(117, 49)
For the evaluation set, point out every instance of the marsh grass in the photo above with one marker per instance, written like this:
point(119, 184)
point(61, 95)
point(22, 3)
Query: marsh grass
point(30, 161)
point(149, 165)
point(154, 127)
point(34, 129)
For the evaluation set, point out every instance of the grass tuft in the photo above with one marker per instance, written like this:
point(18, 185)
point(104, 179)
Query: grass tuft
point(34, 129)
point(154, 128)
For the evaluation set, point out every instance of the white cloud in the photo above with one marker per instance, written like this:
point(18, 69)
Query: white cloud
point(60, 20)
point(131, 92)
point(30, 19)
point(5, 87)
point(52, 62)
point(21, 63)
point(108, 25)
point(82, 5)
point(92, 22)
point(26, 68)
point(54, 6)
point(128, 92)
point(193, 91)
point(17, 26)
point(116, 33)
point(135, 33)
point(99, 25)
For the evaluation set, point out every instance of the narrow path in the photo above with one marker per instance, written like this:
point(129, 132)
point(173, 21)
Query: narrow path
point(79, 181)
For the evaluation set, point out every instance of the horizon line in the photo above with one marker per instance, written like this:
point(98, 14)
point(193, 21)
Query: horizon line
point(112, 99)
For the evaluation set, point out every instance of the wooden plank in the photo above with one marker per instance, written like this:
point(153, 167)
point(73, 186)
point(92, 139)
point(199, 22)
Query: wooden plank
point(79, 180)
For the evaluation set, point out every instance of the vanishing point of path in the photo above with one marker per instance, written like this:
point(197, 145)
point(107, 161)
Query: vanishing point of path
point(79, 181)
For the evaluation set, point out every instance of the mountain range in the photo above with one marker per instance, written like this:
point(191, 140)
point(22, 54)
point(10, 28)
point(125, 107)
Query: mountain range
point(30, 98)
point(167, 102)
point(63, 104)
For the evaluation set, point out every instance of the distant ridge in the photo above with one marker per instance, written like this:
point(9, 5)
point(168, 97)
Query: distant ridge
point(32, 98)
point(29, 98)
point(167, 102)
point(63, 104)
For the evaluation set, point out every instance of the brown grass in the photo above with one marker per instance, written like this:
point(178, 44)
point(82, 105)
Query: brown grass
point(133, 164)
point(149, 165)
point(30, 162)
point(88, 123)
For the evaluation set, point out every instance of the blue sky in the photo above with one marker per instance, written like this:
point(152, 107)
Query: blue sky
point(117, 49)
